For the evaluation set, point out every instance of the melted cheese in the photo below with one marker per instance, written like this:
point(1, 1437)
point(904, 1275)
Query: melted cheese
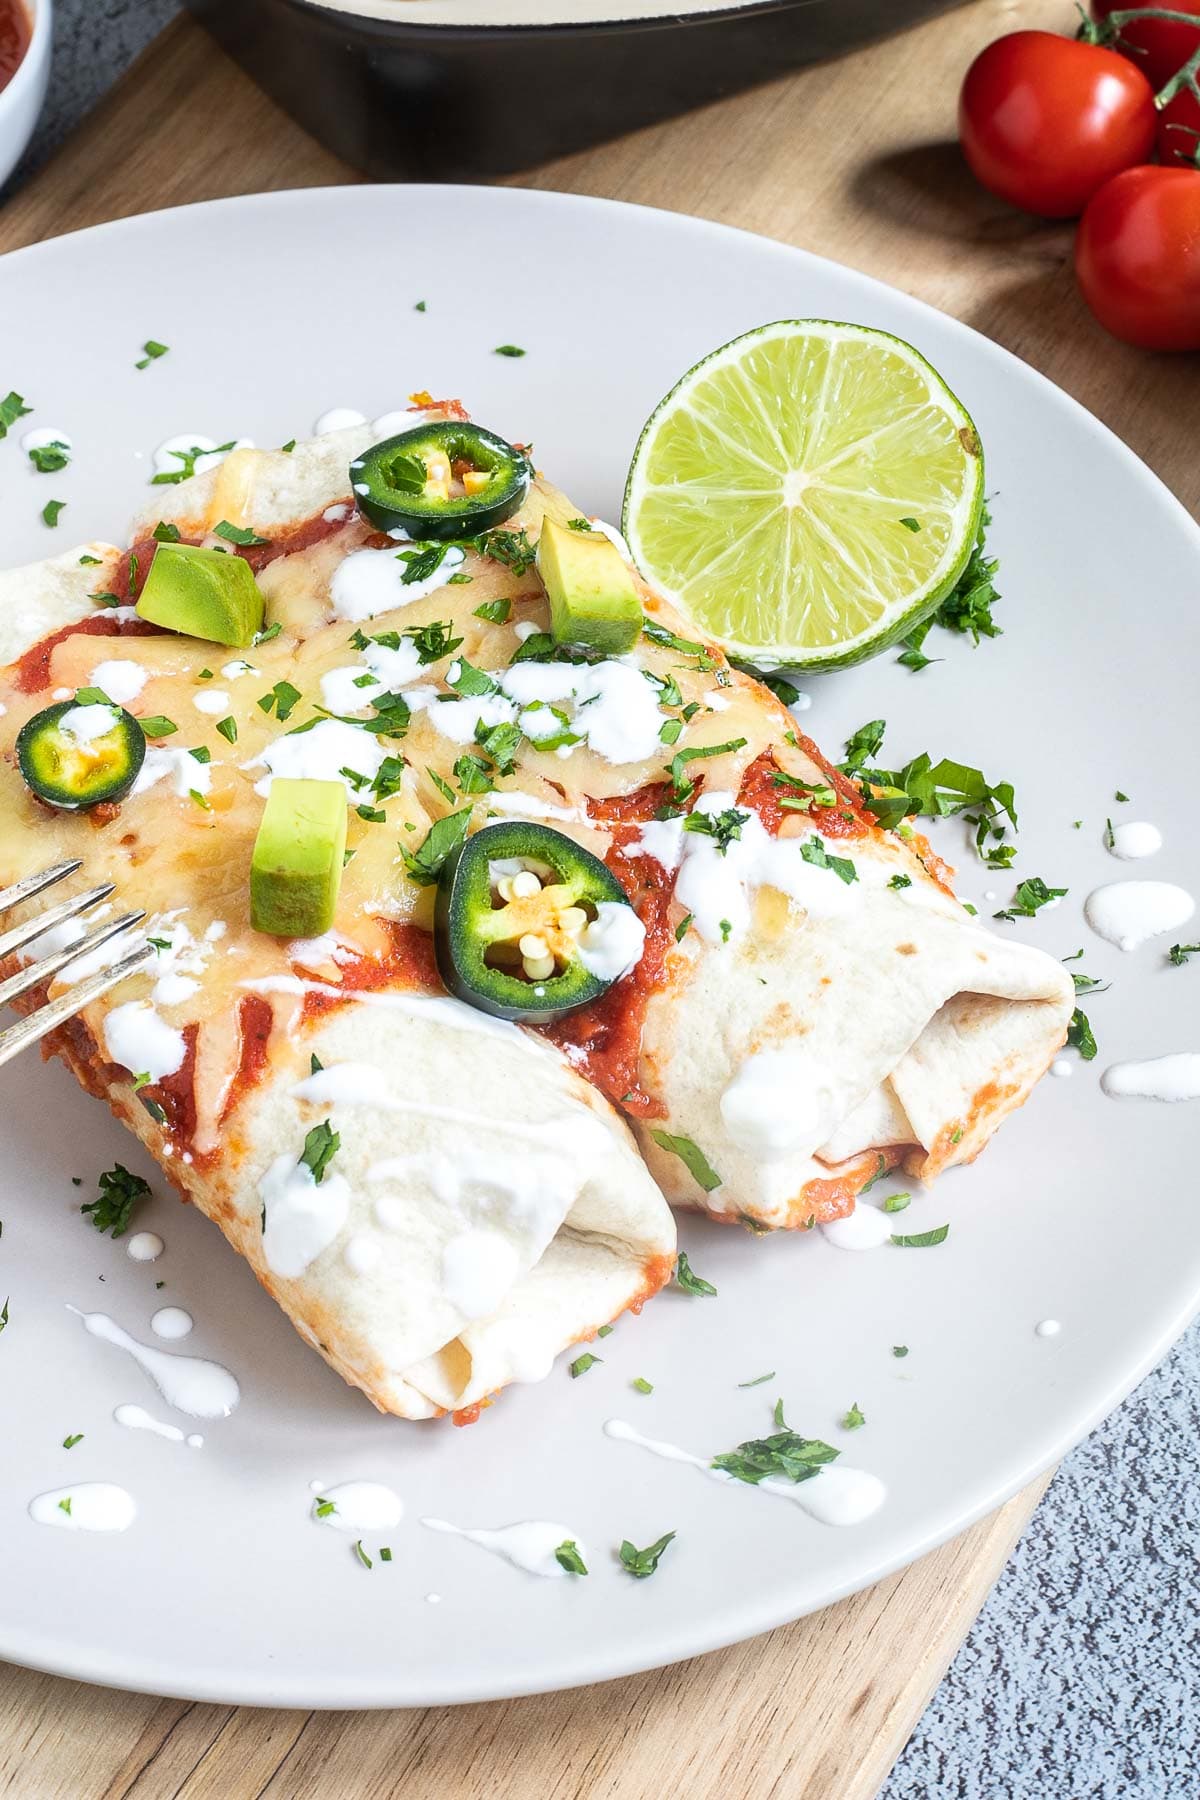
point(182, 841)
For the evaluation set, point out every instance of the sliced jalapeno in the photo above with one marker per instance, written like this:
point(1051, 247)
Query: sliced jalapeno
point(81, 752)
point(443, 480)
point(529, 925)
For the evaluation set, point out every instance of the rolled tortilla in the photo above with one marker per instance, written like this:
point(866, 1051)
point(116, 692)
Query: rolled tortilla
point(787, 1032)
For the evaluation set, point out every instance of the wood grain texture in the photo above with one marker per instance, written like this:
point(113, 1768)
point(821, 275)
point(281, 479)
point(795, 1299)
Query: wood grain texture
point(856, 160)
point(814, 1711)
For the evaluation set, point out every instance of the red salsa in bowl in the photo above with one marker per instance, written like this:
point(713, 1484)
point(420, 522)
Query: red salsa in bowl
point(14, 38)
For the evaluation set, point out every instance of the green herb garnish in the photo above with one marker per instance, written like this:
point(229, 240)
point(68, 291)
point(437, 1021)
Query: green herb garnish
point(690, 1154)
point(320, 1146)
point(567, 1557)
point(689, 1281)
point(641, 1563)
point(120, 1192)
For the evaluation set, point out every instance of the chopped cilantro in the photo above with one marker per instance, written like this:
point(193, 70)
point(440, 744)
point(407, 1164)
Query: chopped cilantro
point(361, 1554)
point(681, 930)
point(49, 458)
point(758, 1380)
point(1081, 1036)
point(282, 698)
point(897, 1202)
point(724, 828)
point(120, 1192)
point(496, 612)
point(690, 1282)
point(1179, 953)
point(443, 837)
point(643, 1386)
point(899, 1350)
point(12, 408)
point(508, 350)
point(922, 1240)
point(165, 533)
point(187, 460)
point(228, 729)
point(52, 511)
point(69, 1443)
point(152, 350)
point(157, 726)
point(853, 1418)
point(900, 881)
point(512, 549)
point(814, 852)
point(1123, 798)
point(567, 1557)
point(641, 1563)
point(239, 534)
point(681, 786)
point(692, 1157)
point(320, 1147)
point(910, 524)
point(582, 1364)
point(785, 1454)
point(1031, 895)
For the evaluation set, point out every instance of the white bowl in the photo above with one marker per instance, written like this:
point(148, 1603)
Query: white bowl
point(21, 101)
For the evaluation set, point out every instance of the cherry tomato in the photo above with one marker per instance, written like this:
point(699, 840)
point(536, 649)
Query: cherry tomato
point(1044, 120)
point(1157, 47)
point(1137, 256)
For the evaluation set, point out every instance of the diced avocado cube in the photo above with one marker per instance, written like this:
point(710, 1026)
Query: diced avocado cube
point(296, 869)
point(202, 594)
point(594, 601)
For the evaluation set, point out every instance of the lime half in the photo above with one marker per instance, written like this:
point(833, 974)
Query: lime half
point(806, 494)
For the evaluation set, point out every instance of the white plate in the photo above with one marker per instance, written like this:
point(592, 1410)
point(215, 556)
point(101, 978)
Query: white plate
point(276, 308)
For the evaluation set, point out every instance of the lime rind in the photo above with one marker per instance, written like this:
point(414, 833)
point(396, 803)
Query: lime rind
point(769, 490)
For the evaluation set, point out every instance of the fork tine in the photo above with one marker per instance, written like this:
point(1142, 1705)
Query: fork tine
point(49, 966)
point(29, 1030)
point(20, 935)
point(34, 884)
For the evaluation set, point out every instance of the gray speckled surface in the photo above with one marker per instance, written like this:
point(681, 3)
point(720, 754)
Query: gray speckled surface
point(1080, 1678)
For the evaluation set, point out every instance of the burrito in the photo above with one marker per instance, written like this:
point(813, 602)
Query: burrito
point(469, 857)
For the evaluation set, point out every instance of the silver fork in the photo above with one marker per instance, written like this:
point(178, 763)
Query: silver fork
point(29, 1030)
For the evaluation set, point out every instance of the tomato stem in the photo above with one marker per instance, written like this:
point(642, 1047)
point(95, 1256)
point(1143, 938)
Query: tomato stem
point(1108, 32)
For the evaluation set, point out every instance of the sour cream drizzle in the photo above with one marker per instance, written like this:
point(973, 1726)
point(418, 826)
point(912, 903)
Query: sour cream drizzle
point(838, 1495)
point(88, 1506)
point(1130, 840)
point(1129, 913)
point(1174, 1077)
point(529, 1545)
point(358, 1506)
point(866, 1228)
point(136, 1418)
point(191, 1384)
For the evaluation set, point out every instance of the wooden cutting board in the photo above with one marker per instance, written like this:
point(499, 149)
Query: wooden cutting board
point(853, 159)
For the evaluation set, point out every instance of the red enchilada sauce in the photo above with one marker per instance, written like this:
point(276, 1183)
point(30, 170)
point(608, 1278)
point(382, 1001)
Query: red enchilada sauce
point(14, 38)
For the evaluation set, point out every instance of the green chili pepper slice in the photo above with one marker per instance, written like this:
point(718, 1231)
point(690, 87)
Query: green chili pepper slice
point(513, 904)
point(81, 752)
point(448, 479)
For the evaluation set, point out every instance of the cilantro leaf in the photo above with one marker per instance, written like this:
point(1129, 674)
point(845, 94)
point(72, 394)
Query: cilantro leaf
point(690, 1154)
point(785, 1453)
point(49, 458)
point(691, 1283)
point(120, 1192)
point(1031, 895)
point(814, 852)
point(641, 1563)
point(12, 408)
point(582, 1364)
point(441, 840)
point(567, 1557)
point(1080, 1035)
point(922, 1240)
point(320, 1146)
point(239, 534)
